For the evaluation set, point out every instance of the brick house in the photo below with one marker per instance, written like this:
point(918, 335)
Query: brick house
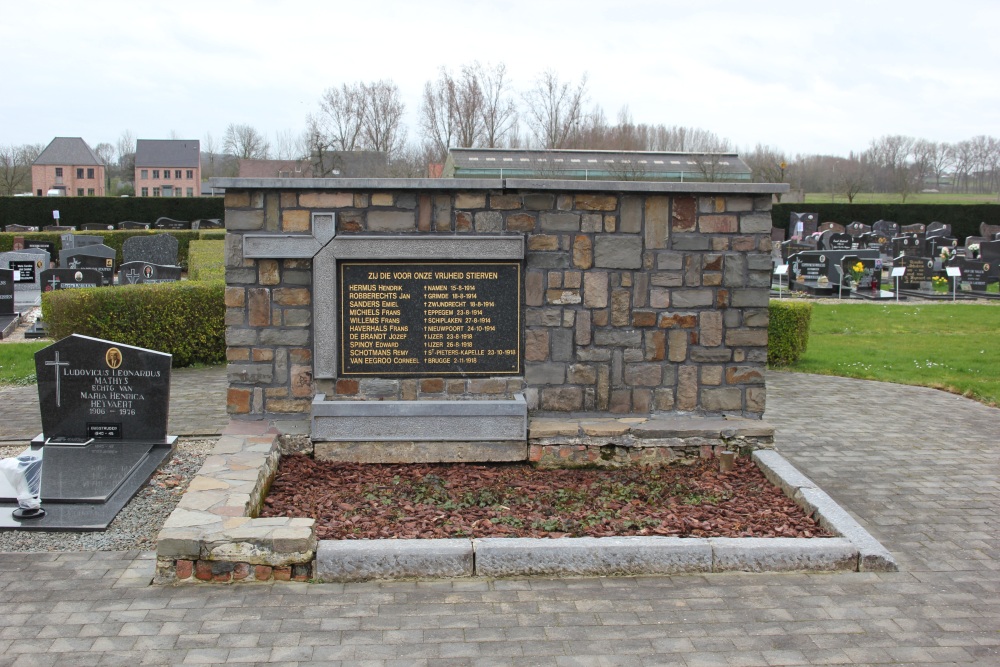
point(167, 168)
point(69, 166)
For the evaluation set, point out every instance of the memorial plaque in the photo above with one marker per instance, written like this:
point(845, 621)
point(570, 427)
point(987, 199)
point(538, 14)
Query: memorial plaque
point(99, 257)
point(90, 388)
point(169, 223)
point(53, 279)
point(131, 224)
point(430, 318)
point(24, 270)
point(839, 241)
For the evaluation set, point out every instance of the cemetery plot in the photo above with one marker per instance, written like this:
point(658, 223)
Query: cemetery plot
point(104, 412)
point(135, 273)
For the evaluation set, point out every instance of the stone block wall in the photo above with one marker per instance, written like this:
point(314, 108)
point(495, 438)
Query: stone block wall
point(637, 297)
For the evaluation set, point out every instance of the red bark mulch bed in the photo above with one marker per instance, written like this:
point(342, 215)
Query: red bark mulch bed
point(381, 501)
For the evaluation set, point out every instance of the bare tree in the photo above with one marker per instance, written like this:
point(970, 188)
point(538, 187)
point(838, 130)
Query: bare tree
point(381, 116)
point(891, 155)
point(339, 119)
point(15, 169)
point(126, 155)
point(437, 114)
point(244, 142)
point(290, 146)
point(555, 109)
point(499, 111)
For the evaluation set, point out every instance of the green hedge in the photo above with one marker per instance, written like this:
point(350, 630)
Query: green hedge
point(787, 331)
point(964, 219)
point(207, 260)
point(185, 319)
point(115, 239)
point(76, 211)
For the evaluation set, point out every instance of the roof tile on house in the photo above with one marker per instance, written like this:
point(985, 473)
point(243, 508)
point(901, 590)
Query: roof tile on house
point(167, 153)
point(71, 151)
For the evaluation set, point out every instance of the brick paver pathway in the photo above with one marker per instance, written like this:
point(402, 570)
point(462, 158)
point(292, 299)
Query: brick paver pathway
point(915, 466)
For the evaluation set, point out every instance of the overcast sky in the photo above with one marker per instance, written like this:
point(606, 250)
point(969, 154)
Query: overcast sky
point(803, 77)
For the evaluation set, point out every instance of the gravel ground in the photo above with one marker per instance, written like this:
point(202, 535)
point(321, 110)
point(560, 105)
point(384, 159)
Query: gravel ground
point(139, 522)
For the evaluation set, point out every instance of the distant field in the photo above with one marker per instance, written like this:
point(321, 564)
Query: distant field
point(888, 198)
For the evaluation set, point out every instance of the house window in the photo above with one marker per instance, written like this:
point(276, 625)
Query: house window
point(58, 172)
point(39, 192)
point(144, 174)
point(90, 192)
point(177, 173)
point(190, 175)
point(178, 192)
point(90, 172)
point(190, 192)
point(156, 173)
point(79, 172)
point(156, 191)
point(79, 192)
point(145, 192)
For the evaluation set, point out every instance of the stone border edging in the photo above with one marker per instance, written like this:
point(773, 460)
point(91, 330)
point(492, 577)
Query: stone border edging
point(872, 556)
point(211, 536)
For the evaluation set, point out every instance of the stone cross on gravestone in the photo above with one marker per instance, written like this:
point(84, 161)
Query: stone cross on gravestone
point(57, 364)
point(132, 275)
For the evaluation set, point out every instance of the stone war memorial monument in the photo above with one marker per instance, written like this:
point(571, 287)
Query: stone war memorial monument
point(104, 409)
point(555, 321)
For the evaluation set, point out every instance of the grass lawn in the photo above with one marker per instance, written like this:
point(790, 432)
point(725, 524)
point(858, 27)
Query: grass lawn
point(946, 346)
point(17, 362)
point(891, 198)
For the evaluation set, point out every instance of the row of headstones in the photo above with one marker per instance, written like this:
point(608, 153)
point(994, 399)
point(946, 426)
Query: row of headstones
point(84, 261)
point(834, 268)
point(891, 239)
point(161, 223)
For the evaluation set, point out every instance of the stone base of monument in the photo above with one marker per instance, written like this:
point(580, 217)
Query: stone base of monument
point(84, 487)
point(8, 323)
point(420, 431)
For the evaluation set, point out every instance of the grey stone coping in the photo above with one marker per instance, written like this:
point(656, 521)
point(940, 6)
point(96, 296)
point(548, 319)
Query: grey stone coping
point(471, 184)
point(648, 428)
point(357, 183)
point(666, 187)
point(485, 419)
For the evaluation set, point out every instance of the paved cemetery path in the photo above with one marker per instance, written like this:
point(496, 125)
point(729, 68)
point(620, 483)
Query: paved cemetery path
point(917, 467)
point(197, 405)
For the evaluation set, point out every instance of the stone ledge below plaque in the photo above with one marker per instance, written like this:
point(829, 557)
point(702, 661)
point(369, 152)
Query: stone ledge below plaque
point(421, 452)
point(489, 420)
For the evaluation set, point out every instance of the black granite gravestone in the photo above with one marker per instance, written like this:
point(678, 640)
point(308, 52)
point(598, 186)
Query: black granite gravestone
point(988, 231)
point(869, 277)
point(911, 245)
point(104, 412)
point(989, 251)
point(208, 223)
point(919, 271)
point(802, 224)
point(47, 246)
point(70, 241)
point(839, 241)
point(915, 228)
point(135, 273)
point(154, 249)
point(858, 228)
point(62, 229)
point(130, 224)
point(53, 279)
point(6, 292)
point(169, 223)
point(20, 228)
point(96, 227)
point(976, 274)
point(9, 317)
point(886, 228)
point(99, 257)
point(938, 229)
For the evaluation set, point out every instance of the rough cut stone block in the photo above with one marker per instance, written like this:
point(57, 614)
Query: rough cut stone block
point(780, 472)
point(392, 221)
point(421, 451)
point(590, 556)
point(755, 224)
point(561, 222)
point(244, 220)
point(617, 252)
point(361, 560)
point(782, 554)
